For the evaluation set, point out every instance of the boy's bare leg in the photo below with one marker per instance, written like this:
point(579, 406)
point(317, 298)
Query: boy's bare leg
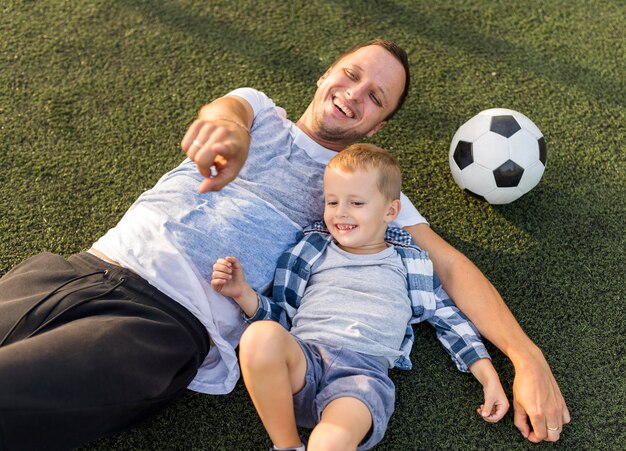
point(273, 368)
point(344, 424)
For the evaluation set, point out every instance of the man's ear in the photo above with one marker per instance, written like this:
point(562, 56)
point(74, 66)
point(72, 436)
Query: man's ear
point(323, 77)
point(393, 211)
point(376, 128)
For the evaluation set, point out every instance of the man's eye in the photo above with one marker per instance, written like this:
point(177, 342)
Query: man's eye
point(375, 99)
point(350, 74)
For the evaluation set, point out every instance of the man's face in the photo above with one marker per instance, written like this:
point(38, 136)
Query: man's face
point(355, 96)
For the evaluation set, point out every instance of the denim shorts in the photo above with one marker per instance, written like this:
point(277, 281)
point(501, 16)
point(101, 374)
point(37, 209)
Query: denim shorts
point(334, 372)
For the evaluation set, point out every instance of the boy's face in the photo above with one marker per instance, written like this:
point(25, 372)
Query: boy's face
point(356, 212)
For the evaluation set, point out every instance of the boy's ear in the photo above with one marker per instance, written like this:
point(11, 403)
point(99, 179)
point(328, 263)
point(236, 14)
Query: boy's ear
point(393, 211)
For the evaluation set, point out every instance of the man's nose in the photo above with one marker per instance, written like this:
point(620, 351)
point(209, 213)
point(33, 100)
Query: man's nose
point(356, 91)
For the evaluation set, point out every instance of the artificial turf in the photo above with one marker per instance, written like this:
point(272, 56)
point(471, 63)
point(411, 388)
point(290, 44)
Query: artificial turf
point(95, 97)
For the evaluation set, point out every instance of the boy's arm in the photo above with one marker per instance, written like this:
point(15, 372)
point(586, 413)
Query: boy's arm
point(228, 279)
point(463, 343)
point(456, 333)
point(496, 403)
point(219, 138)
point(536, 395)
point(287, 289)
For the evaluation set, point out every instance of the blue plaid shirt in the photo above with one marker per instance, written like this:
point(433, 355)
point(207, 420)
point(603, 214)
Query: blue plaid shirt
point(429, 302)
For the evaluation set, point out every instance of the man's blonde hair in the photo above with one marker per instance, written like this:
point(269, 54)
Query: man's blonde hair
point(368, 156)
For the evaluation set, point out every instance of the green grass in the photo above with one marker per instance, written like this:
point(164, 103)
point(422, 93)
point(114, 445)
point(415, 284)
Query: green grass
point(96, 95)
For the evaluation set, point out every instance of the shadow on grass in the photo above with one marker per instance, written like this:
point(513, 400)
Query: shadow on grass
point(219, 33)
point(441, 26)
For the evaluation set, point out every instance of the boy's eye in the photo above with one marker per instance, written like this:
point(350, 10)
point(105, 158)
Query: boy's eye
point(358, 204)
point(350, 74)
point(331, 203)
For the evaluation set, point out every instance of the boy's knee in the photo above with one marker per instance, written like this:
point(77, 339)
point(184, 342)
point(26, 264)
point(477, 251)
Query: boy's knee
point(329, 437)
point(262, 343)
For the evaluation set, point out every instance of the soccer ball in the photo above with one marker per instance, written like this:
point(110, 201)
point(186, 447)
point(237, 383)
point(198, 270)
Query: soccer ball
point(498, 155)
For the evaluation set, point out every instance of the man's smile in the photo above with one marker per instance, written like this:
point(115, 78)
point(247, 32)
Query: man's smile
point(343, 107)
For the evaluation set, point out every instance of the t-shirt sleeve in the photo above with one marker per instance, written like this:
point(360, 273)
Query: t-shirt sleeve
point(409, 215)
point(257, 100)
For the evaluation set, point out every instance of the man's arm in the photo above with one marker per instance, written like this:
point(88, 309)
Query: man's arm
point(536, 395)
point(220, 137)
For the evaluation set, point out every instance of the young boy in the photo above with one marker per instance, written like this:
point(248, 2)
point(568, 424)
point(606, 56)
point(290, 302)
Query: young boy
point(348, 292)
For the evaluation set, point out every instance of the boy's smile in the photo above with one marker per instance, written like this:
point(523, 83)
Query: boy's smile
point(345, 227)
point(356, 213)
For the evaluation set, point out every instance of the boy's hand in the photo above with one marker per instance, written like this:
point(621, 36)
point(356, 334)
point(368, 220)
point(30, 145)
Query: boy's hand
point(496, 403)
point(228, 279)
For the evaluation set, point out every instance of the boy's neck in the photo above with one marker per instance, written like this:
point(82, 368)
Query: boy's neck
point(373, 249)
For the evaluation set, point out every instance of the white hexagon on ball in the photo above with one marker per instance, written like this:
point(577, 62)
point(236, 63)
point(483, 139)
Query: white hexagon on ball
point(491, 150)
point(498, 155)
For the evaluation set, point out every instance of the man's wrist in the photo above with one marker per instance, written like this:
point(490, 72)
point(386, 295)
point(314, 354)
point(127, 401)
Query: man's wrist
point(529, 354)
point(228, 119)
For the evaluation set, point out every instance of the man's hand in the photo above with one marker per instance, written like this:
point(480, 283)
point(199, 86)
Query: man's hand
point(219, 143)
point(540, 410)
point(537, 400)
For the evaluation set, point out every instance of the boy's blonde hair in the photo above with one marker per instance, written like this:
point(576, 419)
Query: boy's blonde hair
point(368, 156)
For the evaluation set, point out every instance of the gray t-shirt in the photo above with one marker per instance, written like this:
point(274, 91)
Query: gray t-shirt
point(172, 235)
point(359, 301)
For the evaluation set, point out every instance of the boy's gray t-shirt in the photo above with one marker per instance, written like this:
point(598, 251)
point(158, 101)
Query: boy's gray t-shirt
point(172, 235)
point(358, 301)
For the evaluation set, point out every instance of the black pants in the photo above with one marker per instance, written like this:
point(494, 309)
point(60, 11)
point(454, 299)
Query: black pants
point(87, 349)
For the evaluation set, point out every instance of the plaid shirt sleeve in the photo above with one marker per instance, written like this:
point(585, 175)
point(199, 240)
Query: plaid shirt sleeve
point(267, 310)
point(455, 331)
point(430, 303)
point(292, 275)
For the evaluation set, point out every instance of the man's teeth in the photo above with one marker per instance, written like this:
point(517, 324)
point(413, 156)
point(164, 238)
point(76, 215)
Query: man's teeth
point(345, 226)
point(339, 104)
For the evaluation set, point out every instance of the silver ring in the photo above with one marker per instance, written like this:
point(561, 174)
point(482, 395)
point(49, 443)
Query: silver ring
point(553, 429)
point(197, 143)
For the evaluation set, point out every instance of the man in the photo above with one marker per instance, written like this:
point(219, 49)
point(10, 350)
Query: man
point(96, 343)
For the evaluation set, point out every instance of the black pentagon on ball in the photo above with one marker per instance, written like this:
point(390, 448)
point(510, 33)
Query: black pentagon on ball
point(463, 154)
point(506, 126)
point(508, 174)
point(542, 150)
